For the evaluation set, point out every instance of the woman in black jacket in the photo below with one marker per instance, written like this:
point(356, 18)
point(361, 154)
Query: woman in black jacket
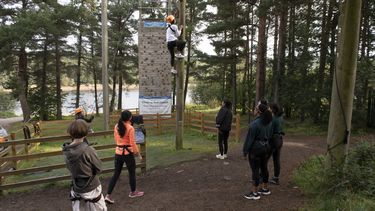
point(224, 125)
point(256, 147)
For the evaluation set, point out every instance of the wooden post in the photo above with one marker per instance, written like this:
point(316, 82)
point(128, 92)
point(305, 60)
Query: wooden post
point(238, 129)
point(14, 153)
point(104, 64)
point(26, 148)
point(158, 123)
point(189, 118)
point(343, 83)
point(1, 183)
point(202, 122)
point(144, 157)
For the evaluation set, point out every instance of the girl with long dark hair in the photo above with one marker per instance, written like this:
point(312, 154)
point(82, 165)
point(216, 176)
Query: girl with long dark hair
point(256, 147)
point(126, 149)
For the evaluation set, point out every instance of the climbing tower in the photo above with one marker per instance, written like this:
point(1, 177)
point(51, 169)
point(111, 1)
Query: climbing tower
point(155, 79)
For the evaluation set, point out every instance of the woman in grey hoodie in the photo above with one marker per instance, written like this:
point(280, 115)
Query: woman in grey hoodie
point(84, 166)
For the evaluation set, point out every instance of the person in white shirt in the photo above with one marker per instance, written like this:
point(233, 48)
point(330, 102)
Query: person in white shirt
point(172, 35)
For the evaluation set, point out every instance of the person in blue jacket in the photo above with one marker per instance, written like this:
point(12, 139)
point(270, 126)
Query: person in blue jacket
point(256, 148)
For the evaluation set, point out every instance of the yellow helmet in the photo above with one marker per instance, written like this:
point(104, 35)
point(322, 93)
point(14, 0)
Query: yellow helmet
point(170, 18)
point(78, 110)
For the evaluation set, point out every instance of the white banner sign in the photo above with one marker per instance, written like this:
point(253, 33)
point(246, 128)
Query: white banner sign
point(155, 105)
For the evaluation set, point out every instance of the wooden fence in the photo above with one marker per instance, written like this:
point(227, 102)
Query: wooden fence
point(14, 157)
point(198, 121)
point(19, 150)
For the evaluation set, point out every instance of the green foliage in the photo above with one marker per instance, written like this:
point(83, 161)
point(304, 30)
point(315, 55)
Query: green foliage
point(203, 93)
point(7, 103)
point(347, 187)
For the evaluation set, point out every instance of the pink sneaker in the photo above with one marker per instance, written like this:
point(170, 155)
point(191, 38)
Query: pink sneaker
point(136, 194)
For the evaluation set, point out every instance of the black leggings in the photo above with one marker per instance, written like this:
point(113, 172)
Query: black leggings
point(276, 156)
point(130, 164)
point(258, 162)
point(180, 47)
point(223, 141)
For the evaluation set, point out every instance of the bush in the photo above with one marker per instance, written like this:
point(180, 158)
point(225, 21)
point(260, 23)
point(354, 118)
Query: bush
point(347, 187)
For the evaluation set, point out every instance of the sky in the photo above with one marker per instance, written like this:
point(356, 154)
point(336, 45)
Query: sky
point(204, 46)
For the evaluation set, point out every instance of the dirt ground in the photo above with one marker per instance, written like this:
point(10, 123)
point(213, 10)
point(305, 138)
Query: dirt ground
point(203, 184)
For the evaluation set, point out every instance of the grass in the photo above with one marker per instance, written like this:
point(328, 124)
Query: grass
point(160, 150)
point(347, 187)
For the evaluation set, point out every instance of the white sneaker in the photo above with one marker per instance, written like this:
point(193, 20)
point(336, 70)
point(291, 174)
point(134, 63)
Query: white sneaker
point(219, 156)
point(179, 55)
point(225, 156)
point(173, 71)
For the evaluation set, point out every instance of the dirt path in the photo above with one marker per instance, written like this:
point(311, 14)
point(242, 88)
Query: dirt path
point(204, 184)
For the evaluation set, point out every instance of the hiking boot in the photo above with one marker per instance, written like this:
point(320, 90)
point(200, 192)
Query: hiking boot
point(136, 194)
point(219, 156)
point(173, 71)
point(275, 181)
point(264, 191)
point(109, 200)
point(252, 196)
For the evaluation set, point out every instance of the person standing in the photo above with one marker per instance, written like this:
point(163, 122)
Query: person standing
point(126, 149)
point(224, 125)
point(276, 141)
point(173, 34)
point(79, 113)
point(256, 148)
point(84, 166)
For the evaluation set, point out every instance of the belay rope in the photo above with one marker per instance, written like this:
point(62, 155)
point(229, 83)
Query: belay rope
point(346, 135)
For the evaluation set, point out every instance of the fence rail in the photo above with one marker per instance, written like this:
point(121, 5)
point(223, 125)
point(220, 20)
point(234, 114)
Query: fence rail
point(18, 150)
point(14, 157)
point(197, 121)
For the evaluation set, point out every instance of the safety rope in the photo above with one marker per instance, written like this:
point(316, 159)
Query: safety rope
point(346, 135)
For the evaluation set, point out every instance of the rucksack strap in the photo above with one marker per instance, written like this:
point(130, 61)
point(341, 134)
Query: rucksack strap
point(79, 198)
point(169, 26)
point(125, 147)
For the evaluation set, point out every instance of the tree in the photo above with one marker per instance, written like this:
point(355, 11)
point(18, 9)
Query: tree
point(261, 51)
point(343, 83)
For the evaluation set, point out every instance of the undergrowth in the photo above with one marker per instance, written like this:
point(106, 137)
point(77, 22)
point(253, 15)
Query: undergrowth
point(350, 186)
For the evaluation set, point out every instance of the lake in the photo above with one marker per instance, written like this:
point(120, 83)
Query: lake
point(87, 101)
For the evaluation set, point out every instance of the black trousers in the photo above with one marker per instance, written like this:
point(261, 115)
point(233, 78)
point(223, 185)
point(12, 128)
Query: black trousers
point(276, 152)
point(130, 164)
point(171, 45)
point(258, 158)
point(223, 141)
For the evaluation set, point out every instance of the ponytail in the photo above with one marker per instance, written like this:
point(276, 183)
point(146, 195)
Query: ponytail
point(125, 116)
point(265, 114)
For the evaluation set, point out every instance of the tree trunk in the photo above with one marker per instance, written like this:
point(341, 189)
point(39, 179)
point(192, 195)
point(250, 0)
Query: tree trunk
point(250, 75)
point(281, 51)
point(322, 64)
point(43, 110)
point(22, 83)
point(247, 64)
point(343, 84)
point(78, 82)
point(305, 62)
point(233, 65)
point(275, 54)
point(188, 66)
point(120, 82)
point(261, 54)
point(58, 80)
point(114, 81)
point(93, 68)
